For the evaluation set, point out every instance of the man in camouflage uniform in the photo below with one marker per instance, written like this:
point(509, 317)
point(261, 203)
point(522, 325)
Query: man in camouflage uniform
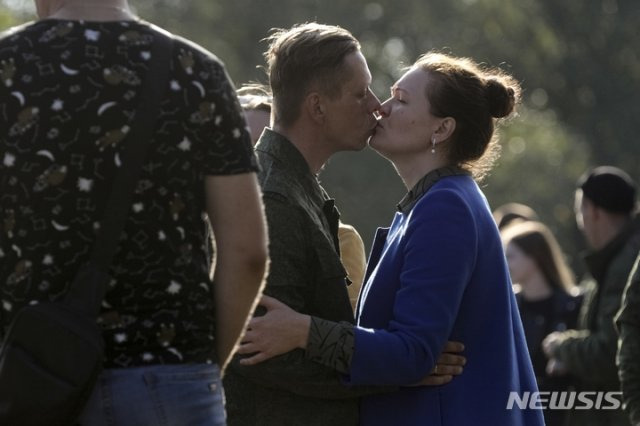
point(605, 212)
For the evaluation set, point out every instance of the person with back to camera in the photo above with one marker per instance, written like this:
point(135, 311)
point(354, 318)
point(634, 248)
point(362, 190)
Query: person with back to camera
point(69, 92)
point(438, 273)
point(606, 212)
point(547, 297)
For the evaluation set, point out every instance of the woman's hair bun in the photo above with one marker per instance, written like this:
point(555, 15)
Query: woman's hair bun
point(501, 99)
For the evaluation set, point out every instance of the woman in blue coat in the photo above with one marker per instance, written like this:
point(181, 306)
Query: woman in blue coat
point(437, 274)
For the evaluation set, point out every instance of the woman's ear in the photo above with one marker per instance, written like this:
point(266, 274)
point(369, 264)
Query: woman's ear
point(446, 128)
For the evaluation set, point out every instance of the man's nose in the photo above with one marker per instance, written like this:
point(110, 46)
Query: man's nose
point(374, 102)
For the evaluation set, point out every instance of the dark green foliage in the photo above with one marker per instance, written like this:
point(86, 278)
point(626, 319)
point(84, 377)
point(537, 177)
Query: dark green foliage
point(578, 60)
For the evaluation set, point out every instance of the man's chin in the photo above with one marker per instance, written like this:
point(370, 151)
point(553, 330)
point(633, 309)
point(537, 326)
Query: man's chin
point(371, 141)
point(357, 146)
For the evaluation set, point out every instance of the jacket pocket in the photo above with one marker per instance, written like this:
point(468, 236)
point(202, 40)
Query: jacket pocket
point(330, 295)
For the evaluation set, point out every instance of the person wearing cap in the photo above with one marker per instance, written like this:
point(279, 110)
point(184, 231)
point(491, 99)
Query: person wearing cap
point(605, 203)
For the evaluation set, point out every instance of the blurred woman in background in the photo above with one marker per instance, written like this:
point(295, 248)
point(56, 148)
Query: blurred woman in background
point(547, 297)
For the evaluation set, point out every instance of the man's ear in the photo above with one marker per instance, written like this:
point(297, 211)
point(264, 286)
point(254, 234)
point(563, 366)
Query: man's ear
point(315, 107)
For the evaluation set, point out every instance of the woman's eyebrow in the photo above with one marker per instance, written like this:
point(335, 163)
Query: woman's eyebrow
point(396, 88)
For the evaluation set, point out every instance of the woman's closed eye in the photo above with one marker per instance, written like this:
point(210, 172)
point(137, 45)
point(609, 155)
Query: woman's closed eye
point(398, 95)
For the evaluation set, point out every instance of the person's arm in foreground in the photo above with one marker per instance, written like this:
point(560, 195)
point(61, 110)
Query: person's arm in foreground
point(235, 211)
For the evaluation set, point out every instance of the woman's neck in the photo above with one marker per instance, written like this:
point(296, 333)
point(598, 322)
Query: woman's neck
point(117, 10)
point(412, 168)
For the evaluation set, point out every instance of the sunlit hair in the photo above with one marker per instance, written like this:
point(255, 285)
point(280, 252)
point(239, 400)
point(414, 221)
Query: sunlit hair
point(512, 213)
point(475, 96)
point(306, 57)
point(536, 241)
point(255, 97)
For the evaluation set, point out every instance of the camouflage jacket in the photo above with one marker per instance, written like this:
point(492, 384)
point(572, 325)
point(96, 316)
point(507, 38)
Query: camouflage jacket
point(306, 274)
point(589, 352)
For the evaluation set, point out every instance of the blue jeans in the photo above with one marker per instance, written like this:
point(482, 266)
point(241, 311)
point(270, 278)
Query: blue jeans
point(158, 395)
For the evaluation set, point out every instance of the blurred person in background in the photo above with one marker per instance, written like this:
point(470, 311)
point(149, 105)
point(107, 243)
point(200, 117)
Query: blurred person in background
point(71, 86)
point(605, 203)
point(547, 297)
point(256, 101)
point(511, 213)
point(353, 258)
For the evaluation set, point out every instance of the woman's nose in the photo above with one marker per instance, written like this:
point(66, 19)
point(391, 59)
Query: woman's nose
point(384, 109)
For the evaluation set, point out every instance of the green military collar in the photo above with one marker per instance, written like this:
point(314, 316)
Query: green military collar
point(280, 148)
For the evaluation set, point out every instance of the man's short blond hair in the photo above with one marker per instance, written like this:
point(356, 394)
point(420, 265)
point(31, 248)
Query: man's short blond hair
point(303, 58)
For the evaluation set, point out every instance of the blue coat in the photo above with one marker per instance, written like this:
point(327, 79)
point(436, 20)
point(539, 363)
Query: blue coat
point(439, 273)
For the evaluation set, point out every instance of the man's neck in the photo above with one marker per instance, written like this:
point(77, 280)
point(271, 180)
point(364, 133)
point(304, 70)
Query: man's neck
point(114, 10)
point(315, 151)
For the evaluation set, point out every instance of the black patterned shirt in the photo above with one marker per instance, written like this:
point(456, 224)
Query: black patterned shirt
point(68, 95)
